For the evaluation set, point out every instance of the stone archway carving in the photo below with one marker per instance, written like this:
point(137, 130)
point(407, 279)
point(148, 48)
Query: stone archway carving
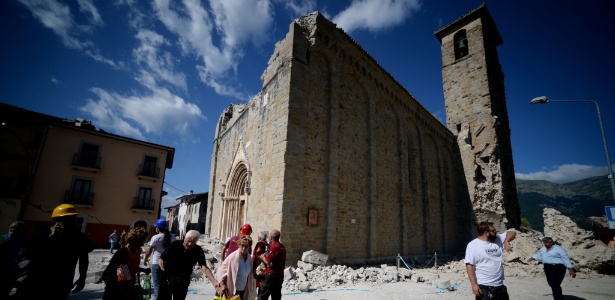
point(236, 193)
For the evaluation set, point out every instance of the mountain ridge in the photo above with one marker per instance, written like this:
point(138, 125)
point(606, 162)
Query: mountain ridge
point(578, 200)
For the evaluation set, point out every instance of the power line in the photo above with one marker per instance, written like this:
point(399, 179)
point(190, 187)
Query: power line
point(174, 187)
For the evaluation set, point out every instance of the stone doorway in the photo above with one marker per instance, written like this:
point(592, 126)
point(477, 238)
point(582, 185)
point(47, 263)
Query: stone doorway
point(235, 201)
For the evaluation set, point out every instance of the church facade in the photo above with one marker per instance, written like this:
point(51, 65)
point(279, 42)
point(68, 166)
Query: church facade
point(338, 155)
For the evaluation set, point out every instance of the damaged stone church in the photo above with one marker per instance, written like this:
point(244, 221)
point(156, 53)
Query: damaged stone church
point(343, 160)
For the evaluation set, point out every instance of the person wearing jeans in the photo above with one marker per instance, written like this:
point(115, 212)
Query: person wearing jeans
point(157, 245)
point(113, 240)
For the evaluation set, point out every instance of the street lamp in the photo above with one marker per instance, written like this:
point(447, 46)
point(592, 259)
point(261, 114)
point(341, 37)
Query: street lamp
point(545, 100)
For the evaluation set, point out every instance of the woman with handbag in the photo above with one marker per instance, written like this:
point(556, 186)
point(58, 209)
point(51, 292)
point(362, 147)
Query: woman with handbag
point(120, 274)
point(258, 266)
point(235, 273)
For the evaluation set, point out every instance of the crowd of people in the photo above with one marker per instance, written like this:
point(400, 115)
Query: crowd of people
point(49, 256)
point(248, 273)
point(244, 272)
point(46, 258)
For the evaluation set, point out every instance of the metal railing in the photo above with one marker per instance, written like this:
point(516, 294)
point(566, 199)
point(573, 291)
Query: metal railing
point(80, 160)
point(143, 203)
point(78, 197)
point(149, 171)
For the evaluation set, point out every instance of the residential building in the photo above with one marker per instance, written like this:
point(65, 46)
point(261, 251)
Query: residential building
point(116, 182)
point(188, 214)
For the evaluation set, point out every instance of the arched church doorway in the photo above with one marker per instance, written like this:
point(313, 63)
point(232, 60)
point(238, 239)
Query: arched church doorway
point(234, 202)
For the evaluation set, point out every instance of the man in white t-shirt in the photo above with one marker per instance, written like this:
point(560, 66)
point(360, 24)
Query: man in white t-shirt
point(484, 262)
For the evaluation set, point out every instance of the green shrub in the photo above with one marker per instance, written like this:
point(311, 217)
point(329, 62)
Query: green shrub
point(525, 223)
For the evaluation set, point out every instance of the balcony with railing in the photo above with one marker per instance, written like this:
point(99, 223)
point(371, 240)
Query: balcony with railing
point(86, 162)
point(143, 204)
point(79, 197)
point(149, 171)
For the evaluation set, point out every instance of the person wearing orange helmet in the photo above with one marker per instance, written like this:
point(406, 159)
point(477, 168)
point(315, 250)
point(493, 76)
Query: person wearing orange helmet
point(231, 245)
point(53, 254)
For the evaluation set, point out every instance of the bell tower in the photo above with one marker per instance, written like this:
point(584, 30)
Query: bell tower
point(476, 113)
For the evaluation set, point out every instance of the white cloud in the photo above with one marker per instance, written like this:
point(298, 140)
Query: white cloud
point(57, 16)
point(159, 63)
point(54, 80)
point(235, 22)
point(298, 7)
point(95, 55)
point(167, 201)
point(238, 21)
point(158, 112)
point(565, 173)
point(106, 111)
point(375, 14)
point(87, 6)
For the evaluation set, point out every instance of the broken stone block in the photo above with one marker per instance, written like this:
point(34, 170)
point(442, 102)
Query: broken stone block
point(336, 279)
point(405, 272)
point(388, 278)
point(305, 266)
point(304, 286)
point(390, 268)
point(314, 257)
point(416, 278)
point(289, 273)
point(300, 276)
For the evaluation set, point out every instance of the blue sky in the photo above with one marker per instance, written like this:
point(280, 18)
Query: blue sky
point(163, 71)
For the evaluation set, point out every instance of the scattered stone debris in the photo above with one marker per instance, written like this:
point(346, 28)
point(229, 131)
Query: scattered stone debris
point(591, 260)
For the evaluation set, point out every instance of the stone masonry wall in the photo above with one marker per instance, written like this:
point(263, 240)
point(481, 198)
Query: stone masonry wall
point(258, 131)
point(333, 132)
point(379, 169)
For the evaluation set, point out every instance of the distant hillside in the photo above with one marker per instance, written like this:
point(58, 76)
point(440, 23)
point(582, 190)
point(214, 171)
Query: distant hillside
point(578, 200)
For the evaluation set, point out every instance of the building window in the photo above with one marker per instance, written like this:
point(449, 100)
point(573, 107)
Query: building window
point(144, 199)
point(81, 193)
point(88, 156)
point(149, 168)
point(461, 44)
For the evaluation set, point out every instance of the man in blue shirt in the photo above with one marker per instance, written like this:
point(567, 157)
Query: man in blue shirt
point(555, 261)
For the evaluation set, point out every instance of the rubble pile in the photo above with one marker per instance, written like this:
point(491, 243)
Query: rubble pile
point(313, 273)
point(308, 276)
point(588, 258)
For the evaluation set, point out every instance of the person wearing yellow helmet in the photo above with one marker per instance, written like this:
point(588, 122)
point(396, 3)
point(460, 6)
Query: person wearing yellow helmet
point(53, 254)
